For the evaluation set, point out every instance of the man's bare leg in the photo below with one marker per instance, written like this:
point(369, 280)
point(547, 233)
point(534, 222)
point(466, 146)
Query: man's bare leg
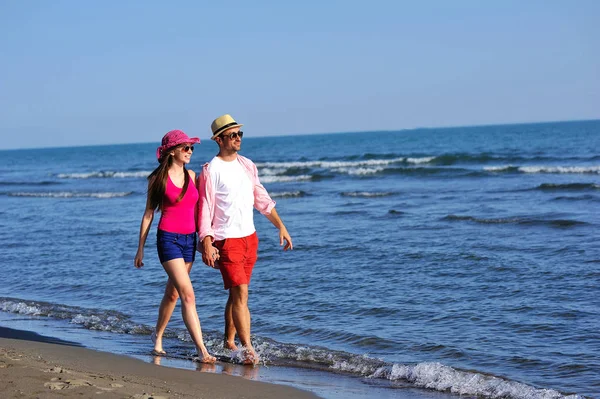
point(230, 331)
point(241, 320)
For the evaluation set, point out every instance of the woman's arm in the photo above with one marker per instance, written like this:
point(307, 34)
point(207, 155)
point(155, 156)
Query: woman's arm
point(144, 230)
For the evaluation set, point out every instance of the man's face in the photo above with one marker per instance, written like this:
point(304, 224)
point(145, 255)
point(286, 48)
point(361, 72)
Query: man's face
point(231, 139)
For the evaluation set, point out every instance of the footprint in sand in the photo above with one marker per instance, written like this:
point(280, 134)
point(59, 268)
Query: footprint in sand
point(57, 385)
point(57, 370)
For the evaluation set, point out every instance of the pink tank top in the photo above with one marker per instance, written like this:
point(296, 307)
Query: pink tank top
point(178, 217)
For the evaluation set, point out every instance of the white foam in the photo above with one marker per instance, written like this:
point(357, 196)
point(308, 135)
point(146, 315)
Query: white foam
point(280, 179)
point(497, 168)
point(332, 164)
point(545, 169)
point(444, 378)
point(268, 170)
point(420, 160)
point(272, 171)
point(560, 169)
point(20, 308)
point(103, 174)
point(362, 171)
point(67, 194)
point(287, 194)
point(366, 194)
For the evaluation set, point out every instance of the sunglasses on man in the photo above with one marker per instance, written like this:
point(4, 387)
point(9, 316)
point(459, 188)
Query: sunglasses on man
point(234, 135)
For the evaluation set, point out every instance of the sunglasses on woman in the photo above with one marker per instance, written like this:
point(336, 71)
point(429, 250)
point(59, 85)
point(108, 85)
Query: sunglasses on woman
point(187, 148)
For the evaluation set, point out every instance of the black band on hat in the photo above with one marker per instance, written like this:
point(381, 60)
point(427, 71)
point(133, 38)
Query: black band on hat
point(225, 127)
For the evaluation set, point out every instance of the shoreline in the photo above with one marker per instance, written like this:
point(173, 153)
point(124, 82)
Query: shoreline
point(33, 365)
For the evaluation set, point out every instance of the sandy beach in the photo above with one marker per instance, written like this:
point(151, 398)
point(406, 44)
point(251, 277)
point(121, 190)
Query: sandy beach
point(35, 366)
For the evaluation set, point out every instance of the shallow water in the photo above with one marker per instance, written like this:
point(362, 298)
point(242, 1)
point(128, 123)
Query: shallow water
point(462, 260)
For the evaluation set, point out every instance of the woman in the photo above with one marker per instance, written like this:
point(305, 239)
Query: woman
point(171, 191)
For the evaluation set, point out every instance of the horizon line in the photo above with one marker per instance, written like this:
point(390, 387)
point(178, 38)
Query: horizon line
point(326, 133)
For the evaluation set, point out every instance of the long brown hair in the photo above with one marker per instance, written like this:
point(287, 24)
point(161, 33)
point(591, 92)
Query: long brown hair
point(157, 181)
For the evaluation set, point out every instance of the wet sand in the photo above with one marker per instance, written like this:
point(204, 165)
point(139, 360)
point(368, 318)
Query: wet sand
point(33, 365)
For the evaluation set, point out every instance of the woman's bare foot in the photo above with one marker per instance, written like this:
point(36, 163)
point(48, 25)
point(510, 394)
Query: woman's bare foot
point(157, 341)
point(205, 358)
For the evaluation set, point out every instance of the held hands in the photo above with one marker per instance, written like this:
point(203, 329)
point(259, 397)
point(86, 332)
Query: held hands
point(210, 254)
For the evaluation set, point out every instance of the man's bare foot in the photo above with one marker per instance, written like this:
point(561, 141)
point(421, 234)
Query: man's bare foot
point(230, 345)
point(249, 357)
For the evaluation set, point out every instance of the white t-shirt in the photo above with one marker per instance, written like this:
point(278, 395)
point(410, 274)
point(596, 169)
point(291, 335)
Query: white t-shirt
point(234, 199)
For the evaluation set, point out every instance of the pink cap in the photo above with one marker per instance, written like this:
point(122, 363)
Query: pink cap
point(173, 139)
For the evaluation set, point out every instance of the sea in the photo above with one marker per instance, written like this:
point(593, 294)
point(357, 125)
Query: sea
point(428, 262)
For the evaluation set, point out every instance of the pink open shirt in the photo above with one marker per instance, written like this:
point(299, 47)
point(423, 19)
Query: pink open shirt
point(206, 204)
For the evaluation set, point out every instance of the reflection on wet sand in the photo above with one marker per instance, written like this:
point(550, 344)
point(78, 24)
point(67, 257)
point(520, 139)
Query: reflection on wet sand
point(248, 372)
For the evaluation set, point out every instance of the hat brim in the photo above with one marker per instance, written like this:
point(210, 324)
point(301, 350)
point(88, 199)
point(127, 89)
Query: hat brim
point(160, 150)
point(214, 136)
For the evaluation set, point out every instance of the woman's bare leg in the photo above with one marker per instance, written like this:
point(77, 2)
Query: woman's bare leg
point(178, 274)
point(165, 310)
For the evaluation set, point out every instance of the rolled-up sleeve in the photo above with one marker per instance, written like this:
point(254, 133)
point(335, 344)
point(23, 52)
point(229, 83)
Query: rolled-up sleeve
point(262, 200)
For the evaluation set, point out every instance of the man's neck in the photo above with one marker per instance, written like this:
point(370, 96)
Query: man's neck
point(227, 156)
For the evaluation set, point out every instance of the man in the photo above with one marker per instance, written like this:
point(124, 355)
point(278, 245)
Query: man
point(229, 190)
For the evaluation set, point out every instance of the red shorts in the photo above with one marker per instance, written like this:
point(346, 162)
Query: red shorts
point(237, 259)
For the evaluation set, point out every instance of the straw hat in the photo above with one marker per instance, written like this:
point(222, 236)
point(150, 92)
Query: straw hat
point(223, 123)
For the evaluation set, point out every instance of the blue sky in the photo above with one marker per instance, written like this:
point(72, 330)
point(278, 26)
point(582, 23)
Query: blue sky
point(78, 72)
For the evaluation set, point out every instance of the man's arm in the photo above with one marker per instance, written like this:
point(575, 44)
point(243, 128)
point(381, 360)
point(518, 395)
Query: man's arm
point(283, 233)
point(204, 220)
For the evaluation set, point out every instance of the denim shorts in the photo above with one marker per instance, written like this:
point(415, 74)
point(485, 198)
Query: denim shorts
point(174, 245)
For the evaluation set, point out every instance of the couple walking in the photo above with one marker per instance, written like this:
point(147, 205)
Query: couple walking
point(211, 213)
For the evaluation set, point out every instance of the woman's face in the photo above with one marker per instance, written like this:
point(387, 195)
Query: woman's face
point(183, 153)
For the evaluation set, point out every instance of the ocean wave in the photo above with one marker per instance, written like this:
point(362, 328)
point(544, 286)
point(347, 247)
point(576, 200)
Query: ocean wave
point(505, 168)
point(428, 375)
point(333, 164)
point(288, 194)
point(367, 194)
point(409, 171)
point(440, 377)
point(284, 179)
point(104, 174)
point(560, 169)
point(421, 160)
point(28, 183)
point(91, 319)
point(419, 166)
point(568, 187)
point(360, 171)
point(464, 158)
point(560, 223)
point(544, 169)
point(68, 194)
point(586, 197)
